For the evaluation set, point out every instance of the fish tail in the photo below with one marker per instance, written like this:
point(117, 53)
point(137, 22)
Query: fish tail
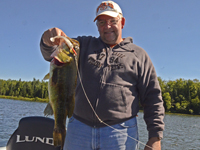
point(59, 137)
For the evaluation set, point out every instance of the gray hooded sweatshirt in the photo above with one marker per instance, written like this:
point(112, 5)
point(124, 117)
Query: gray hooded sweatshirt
point(115, 80)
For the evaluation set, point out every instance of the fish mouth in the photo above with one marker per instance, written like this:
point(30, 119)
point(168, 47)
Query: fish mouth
point(62, 56)
point(57, 62)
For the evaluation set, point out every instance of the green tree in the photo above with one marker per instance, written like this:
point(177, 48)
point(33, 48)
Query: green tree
point(195, 105)
point(167, 101)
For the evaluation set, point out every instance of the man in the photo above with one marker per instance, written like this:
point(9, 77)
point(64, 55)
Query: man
point(116, 74)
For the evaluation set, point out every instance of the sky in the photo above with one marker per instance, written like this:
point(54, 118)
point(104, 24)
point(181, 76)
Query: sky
point(168, 30)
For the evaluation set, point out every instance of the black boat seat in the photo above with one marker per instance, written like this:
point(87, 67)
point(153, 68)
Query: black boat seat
point(33, 133)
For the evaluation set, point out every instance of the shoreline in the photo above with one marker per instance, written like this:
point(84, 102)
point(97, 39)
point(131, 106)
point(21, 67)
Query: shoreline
point(36, 99)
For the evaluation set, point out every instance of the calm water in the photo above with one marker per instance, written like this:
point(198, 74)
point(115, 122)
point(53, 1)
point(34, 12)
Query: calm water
point(182, 132)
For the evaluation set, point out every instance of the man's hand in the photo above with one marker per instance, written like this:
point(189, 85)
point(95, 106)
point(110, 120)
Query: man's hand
point(51, 33)
point(154, 143)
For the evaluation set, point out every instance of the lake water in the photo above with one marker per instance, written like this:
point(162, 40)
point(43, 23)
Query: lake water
point(182, 132)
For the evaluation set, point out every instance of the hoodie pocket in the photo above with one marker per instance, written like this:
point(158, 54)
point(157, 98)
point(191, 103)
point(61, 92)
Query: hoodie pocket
point(112, 100)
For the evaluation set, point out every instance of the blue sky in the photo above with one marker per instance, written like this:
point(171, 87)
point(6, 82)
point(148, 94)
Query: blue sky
point(169, 30)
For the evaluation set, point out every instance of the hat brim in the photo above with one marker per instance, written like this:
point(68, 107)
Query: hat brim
point(107, 13)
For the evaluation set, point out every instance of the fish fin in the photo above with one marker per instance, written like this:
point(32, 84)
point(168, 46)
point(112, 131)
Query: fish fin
point(46, 76)
point(59, 137)
point(48, 110)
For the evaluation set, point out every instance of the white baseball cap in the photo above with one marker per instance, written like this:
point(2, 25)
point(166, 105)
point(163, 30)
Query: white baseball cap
point(108, 8)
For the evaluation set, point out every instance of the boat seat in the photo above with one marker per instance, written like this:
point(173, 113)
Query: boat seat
point(33, 133)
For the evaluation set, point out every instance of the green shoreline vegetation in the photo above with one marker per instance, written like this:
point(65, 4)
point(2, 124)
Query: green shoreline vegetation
point(179, 96)
point(24, 90)
point(36, 99)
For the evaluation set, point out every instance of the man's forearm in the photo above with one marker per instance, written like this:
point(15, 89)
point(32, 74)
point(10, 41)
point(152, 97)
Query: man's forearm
point(154, 143)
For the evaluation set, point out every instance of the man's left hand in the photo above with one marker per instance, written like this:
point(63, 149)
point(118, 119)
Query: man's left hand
point(154, 143)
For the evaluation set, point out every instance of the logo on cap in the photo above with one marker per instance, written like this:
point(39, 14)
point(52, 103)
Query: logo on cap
point(104, 6)
point(109, 8)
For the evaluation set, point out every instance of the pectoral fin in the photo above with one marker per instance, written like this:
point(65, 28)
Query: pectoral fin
point(46, 77)
point(48, 110)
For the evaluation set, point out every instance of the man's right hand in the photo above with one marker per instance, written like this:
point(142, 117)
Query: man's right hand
point(51, 33)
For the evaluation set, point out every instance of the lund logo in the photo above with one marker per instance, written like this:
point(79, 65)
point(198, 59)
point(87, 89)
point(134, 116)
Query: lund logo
point(44, 140)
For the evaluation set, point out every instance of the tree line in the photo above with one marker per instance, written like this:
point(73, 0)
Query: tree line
point(28, 89)
point(181, 96)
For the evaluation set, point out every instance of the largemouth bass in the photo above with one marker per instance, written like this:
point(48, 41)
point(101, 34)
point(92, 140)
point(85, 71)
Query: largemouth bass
point(62, 83)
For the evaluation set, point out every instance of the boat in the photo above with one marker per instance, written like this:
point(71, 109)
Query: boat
point(33, 133)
